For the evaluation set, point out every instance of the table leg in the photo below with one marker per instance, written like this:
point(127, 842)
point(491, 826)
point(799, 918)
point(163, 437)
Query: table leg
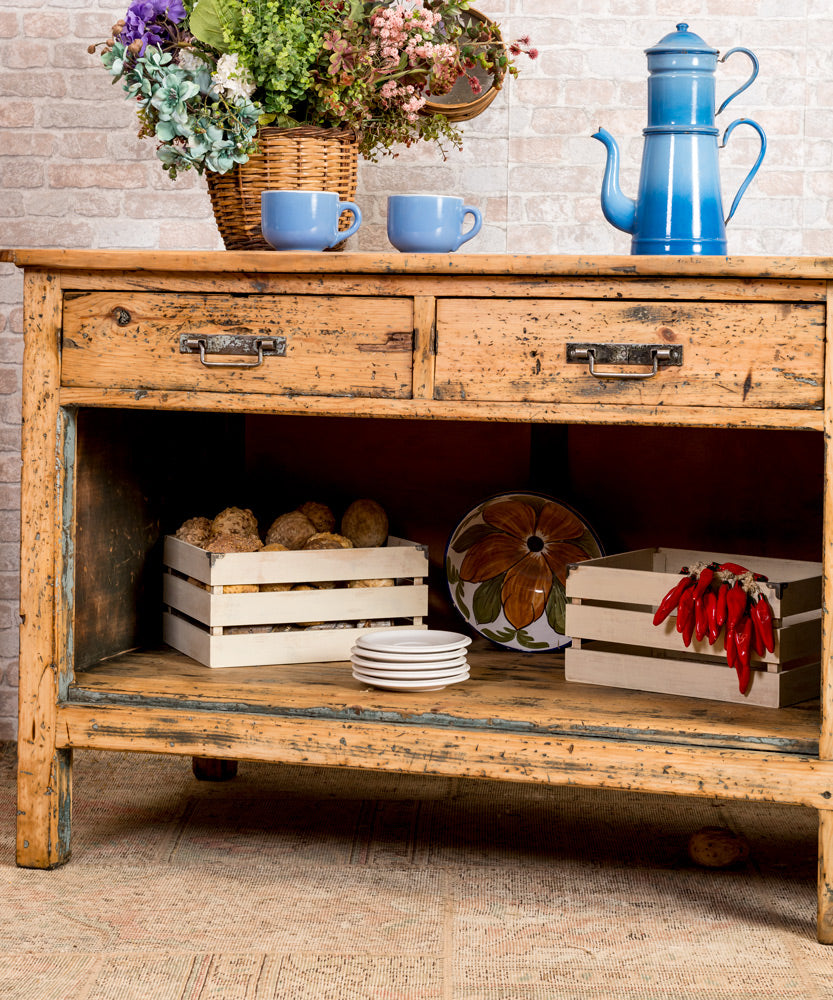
point(824, 928)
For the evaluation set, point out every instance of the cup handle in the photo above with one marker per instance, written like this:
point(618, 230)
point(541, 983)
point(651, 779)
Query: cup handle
point(344, 206)
point(475, 229)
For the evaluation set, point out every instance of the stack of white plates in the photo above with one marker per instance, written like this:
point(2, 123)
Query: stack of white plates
point(409, 660)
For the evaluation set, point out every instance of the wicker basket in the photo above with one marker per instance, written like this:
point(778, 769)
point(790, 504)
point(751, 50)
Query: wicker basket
point(460, 103)
point(295, 159)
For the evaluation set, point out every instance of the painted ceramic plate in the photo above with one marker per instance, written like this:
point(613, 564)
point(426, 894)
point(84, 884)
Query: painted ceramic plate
point(506, 565)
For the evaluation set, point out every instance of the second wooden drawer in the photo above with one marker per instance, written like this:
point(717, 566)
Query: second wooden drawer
point(750, 353)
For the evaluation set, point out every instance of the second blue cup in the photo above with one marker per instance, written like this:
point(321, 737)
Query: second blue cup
point(428, 223)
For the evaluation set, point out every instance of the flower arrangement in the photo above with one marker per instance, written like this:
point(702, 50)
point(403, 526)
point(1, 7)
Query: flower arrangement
point(206, 74)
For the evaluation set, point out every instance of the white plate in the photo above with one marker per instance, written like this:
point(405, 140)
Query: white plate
point(412, 656)
point(371, 665)
point(413, 641)
point(410, 675)
point(391, 685)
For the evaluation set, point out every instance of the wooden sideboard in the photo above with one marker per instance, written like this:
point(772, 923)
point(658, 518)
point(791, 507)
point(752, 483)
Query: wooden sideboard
point(119, 424)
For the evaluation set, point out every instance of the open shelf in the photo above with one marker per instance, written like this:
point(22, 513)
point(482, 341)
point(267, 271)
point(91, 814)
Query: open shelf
point(507, 692)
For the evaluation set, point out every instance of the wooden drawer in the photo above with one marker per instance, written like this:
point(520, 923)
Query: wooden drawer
point(335, 345)
point(741, 353)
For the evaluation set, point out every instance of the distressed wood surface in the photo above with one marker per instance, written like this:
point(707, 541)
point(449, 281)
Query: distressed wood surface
point(566, 412)
point(515, 350)
point(507, 691)
point(453, 284)
point(334, 345)
point(824, 923)
point(496, 755)
point(44, 782)
point(149, 261)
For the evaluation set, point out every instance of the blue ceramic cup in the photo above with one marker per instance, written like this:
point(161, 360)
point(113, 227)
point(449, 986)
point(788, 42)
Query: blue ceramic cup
point(429, 223)
point(304, 220)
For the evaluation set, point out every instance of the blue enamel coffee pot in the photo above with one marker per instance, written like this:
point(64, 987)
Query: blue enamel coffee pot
point(679, 209)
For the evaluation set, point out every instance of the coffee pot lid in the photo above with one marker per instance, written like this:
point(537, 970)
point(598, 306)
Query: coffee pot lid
point(681, 40)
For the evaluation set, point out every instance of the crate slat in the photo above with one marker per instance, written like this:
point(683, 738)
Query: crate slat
point(705, 680)
point(611, 600)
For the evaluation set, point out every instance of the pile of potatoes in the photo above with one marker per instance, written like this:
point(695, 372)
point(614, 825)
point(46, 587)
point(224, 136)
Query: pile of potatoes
point(364, 524)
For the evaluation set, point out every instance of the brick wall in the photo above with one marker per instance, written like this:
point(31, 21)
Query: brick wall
point(73, 174)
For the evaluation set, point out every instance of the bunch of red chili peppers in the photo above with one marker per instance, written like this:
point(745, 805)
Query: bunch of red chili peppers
point(712, 595)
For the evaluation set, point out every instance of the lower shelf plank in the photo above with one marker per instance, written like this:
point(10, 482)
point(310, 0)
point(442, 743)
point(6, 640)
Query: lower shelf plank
point(699, 771)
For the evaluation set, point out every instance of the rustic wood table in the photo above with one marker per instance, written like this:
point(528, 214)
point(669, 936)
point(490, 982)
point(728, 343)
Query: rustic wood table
point(119, 425)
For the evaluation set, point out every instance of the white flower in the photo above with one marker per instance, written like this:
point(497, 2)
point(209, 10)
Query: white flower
point(188, 59)
point(231, 78)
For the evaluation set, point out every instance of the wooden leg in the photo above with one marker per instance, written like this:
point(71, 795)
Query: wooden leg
point(213, 768)
point(44, 808)
point(44, 772)
point(824, 927)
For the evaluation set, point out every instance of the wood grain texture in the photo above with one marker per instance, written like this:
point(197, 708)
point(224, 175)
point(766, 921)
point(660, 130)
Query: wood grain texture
point(826, 738)
point(43, 806)
point(334, 345)
point(150, 261)
point(515, 350)
point(425, 349)
point(824, 923)
point(557, 411)
point(498, 756)
point(507, 691)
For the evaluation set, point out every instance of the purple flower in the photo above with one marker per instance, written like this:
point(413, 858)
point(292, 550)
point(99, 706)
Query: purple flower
point(150, 20)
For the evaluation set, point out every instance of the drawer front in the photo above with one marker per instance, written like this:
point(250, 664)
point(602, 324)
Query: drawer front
point(334, 346)
point(755, 354)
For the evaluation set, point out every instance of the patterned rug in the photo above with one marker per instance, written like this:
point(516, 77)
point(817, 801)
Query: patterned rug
point(292, 883)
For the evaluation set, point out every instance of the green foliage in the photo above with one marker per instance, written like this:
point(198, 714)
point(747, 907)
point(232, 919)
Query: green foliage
point(195, 127)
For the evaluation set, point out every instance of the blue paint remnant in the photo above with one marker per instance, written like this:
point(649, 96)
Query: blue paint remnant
point(808, 749)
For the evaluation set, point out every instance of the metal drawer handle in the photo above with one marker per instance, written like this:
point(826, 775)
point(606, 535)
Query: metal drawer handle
point(656, 355)
point(258, 347)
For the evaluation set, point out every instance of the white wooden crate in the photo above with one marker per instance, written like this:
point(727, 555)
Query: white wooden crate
point(610, 606)
point(199, 615)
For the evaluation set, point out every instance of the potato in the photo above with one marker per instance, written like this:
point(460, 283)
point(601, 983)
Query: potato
point(234, 521)
point(291, 530)
point(195, 531)
point(365, 523)
point(320, 515)
point(233, 542)
point(715, 847)
point(327, 540)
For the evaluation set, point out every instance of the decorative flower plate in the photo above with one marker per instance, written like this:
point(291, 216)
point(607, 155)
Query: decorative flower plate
point(506, 565)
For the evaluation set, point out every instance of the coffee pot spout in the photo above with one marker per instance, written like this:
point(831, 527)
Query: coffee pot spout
point(619, 210)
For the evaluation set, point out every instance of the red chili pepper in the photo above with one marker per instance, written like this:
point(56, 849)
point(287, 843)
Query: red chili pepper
point(761, 614)
point(757, 638)
point(729, 646)
point(722, 611)
point(705, 578)
point(685, 611)
point(743, 645)
point(672, 599)
point(701, 621)
point(735, 608)
point(711, 616)
point(741, 570)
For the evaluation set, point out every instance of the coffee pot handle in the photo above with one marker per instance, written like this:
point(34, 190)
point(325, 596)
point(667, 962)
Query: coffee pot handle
point(743, 86)
point(754, 170)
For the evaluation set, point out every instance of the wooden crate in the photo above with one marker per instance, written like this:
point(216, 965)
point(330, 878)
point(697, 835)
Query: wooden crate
point(221, 629)
point(610, 605)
